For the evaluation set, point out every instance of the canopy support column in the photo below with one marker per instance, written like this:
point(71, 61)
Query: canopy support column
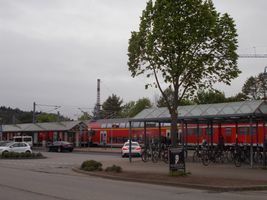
point(251, 141)
point(130, 141)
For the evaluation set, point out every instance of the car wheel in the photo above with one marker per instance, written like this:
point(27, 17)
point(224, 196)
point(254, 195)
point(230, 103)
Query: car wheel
point(28, 151)
point(4, 152)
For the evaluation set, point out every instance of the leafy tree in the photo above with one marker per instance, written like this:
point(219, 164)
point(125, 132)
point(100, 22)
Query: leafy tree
point(126, 109)
point(140, 105)
point(169, 94)
point(85, 116)
point(50, 117)
point(44, 117)
point(238, 97)
point(254, 87)
point(187, 45)
point(132, 108)
point(210, 96)
point(112, 107)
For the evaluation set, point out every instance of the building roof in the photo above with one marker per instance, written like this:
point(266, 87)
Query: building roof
point(38, 127)
point(255, 108)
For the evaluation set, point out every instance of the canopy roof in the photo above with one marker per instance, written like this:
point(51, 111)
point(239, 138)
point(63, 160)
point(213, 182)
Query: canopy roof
point(47, 126)
point(219, 111)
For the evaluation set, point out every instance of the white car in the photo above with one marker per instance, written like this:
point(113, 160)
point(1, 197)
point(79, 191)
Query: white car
point(135, 150)
point(20, 147)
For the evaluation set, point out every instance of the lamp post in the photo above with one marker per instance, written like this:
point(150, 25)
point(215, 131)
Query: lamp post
point(264, 130)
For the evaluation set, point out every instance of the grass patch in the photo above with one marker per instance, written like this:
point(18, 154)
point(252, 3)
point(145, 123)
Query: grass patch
point(179, 173)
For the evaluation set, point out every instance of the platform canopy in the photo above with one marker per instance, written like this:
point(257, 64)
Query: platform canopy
point(219, 111)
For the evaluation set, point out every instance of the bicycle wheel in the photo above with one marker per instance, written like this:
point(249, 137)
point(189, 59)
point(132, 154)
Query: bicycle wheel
point(258, 157)
point(237, 160)
point(205, 159)
point(145, 156)
point(196, 156)
point(155, 156)
point(165, 157)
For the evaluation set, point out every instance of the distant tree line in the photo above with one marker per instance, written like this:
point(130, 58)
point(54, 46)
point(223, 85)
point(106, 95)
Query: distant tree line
point(16, 116)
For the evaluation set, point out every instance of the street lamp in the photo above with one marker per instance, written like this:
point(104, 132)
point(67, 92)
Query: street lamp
point(264, 131)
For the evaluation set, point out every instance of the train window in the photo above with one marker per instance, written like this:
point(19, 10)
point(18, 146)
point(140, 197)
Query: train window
point(228, 131)
point(190, 131)
point(109, 125)
point(122, 125)
point(119, 139)
point(141, 124)
point(166, 124)
point(243, 130)
point(150, 124)
point(199, 132)
point(104, 125)
point(135, 124)
point(254, 130)
point(208, 131)
point(125, 139)
point(92, 132)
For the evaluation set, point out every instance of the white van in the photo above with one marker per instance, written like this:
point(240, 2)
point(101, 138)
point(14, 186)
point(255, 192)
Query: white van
point(27, 139)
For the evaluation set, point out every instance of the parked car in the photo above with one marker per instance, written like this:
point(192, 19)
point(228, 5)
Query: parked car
point(4, 142)
point(60, 146)
point(25, 138)
point(19, 147)
point(135, 150)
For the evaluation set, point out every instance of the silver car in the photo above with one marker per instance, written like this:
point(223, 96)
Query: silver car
point(135, 150)
point(19, 147)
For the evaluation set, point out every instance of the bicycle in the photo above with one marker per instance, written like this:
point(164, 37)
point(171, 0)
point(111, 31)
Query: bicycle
point(197, 155)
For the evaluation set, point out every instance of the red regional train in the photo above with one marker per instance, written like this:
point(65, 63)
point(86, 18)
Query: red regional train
point(114, 132)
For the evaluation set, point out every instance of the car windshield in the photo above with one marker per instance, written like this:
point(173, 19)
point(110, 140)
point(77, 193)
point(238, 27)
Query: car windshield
point(133, 144)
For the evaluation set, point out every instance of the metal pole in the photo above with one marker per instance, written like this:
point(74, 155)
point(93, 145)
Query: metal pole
point(198, 134)
point(186, 137)
point(130, 142)
point(159, 143)
point(211, 133)
point(251, 142)
point(182, 134)
point(264, 121)
point(33, 113)
point(145, 138)
point(264, 143)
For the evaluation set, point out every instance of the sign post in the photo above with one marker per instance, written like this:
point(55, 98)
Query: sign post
point(176, 160)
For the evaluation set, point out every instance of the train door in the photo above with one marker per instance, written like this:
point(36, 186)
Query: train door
point(103, 137)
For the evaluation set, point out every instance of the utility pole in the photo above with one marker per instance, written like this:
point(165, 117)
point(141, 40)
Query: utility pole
point(98, 97)
point(97, 106)
point(58, 116)
point(33, 113)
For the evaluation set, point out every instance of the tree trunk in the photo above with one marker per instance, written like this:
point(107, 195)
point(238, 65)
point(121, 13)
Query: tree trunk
point(174, 129)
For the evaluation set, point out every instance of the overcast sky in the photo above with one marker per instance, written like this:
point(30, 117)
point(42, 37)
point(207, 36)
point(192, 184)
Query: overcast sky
point(53, 51)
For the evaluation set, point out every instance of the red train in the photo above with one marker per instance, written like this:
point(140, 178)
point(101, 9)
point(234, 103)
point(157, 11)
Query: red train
point(114, 132)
